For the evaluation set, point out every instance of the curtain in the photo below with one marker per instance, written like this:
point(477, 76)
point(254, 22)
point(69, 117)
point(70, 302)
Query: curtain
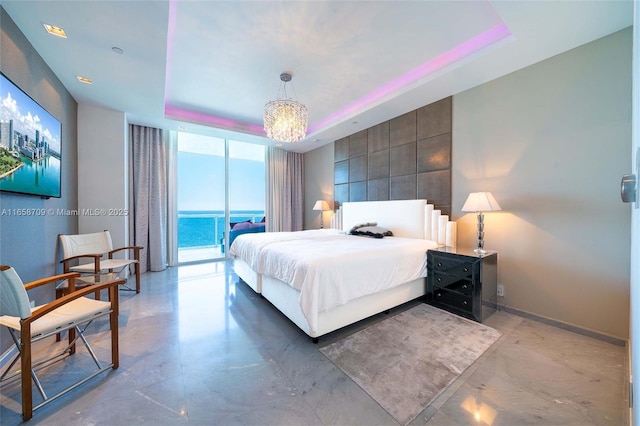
point(148, 195)
point(285, 190)
point(295, 190)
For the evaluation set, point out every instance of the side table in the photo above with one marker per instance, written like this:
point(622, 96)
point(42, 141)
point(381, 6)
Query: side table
point(85, 281)
point(463, 282)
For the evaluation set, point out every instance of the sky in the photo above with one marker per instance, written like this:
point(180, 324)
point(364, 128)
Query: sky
point(27, 115)
point(201, 174)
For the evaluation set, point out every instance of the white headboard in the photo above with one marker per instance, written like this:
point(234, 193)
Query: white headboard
point(405, 218)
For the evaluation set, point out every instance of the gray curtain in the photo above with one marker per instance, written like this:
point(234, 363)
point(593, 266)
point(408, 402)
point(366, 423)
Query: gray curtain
point(285, 190)
point(295, 190)
point(148, 195)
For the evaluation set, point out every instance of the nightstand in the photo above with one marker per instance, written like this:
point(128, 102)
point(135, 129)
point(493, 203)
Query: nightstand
point(463, 282)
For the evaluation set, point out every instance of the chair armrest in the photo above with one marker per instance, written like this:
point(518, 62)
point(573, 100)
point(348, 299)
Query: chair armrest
point(48, 280)
point(96, 261)
point(45, 309)
point(136, 251)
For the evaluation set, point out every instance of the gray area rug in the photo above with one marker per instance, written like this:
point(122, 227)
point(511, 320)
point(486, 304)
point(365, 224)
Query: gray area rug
point(404, 362)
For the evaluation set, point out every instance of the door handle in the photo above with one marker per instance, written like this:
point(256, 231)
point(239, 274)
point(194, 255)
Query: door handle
point(628, 189)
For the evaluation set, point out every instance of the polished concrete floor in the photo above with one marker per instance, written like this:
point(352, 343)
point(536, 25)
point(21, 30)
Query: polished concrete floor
point(199, 348)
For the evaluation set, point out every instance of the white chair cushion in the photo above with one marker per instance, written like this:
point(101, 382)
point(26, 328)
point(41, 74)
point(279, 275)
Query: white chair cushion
point(94, 243)
point(104, 264)
point(14, 300)
point(73, 313)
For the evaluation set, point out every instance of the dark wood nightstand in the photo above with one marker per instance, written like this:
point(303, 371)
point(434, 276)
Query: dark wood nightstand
point(463, 282)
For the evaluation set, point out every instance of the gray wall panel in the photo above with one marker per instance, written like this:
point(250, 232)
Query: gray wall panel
point(341, 149)
point(378, 137)
point(395, 158)
point(378, 190)
point(402, 160)
point(434, 153)
point(358, 169)
point(379, 165)
point(402, 129)
point(434, 119)
point(358, 191)
point(341, 172)
point(358, 144)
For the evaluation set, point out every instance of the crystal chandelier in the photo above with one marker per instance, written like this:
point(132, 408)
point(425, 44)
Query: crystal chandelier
point(285, 120)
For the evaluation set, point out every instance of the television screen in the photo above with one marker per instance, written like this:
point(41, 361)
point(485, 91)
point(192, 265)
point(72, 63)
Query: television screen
point(30, 144)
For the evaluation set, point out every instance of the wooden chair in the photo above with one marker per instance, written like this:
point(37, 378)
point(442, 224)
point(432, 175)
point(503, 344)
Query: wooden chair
point(96, 246)
point(72, 312)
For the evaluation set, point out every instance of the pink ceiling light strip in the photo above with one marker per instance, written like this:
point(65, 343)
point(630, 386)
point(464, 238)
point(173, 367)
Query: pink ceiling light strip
point(191, 116)
point(462, 51)
point(207, 119)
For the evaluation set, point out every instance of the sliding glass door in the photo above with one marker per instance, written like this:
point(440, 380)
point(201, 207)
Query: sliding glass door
point(219, 183)
point(246, 186)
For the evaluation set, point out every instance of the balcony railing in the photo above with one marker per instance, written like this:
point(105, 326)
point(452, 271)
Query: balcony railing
point(201, 233)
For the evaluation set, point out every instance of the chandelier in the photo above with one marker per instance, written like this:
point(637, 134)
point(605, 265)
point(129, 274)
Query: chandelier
point(285, 120)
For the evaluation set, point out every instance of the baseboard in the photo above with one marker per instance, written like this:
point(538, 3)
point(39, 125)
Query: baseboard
point(585, 332)
point(629, 385)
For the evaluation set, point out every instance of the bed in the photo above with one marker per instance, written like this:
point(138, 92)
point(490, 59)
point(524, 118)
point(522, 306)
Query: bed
point(325, 279)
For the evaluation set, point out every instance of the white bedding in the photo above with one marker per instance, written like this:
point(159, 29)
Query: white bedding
point(333, 269)
point(249, 246)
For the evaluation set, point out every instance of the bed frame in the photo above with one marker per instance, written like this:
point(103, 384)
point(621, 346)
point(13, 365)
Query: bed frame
point(406, 218)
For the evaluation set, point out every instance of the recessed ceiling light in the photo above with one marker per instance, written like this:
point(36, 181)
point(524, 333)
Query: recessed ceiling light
point(278, 144)
point(117, 50)
point(56, 31)
point(182, 127)
point(85, 80)
point(354, 122)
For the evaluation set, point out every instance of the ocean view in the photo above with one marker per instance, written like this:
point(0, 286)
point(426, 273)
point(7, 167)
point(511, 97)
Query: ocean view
point(206, 228)
point(35, 177)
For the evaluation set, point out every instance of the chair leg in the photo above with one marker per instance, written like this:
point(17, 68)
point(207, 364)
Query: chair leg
point(113, 323)
point(137, 269)
point(25, 372)
point(72, 338)
point(59, 294)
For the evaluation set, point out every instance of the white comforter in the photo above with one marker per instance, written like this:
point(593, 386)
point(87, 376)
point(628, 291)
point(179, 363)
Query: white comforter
point(248, 247)
point(331, 270)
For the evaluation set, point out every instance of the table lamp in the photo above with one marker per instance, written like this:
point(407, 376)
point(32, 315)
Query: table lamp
point(480, 202)
point(321, 206)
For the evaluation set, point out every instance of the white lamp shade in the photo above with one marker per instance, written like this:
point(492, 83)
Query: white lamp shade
point(321, 205)
point(480, 202)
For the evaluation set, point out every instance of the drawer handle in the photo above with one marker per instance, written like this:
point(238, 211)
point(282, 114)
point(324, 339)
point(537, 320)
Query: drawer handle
point(439, 264)
point(464, 286)
point(465, 302)
point(438, 294)
point(439, 279)
point(466, 269)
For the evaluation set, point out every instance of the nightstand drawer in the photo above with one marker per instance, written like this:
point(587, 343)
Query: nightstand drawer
point(452, 266)
point(453, 299)
point(460, 285)
point(462, 282)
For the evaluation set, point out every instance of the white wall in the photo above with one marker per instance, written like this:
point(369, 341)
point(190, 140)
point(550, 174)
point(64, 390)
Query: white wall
point(103, 172)
point(635, 222)
point(318, 178)
point(30, 243)
point(551, 142)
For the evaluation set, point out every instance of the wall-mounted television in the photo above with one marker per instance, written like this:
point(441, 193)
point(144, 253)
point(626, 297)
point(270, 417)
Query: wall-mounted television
point(30, 144)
